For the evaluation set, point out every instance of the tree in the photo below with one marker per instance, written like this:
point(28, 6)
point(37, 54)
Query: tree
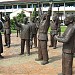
point(34, 14)
point(12, 24)
point(20, 16)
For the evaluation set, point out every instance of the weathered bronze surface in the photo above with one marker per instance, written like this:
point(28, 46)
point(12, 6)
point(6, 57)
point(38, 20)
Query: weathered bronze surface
point(54, 31)
point(33, 33)
point(43, 38)
point(7, 31)
point(1, 44)
point(25, 35)
point(68, 40)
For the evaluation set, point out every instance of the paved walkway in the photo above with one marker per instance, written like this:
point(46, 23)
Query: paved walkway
point(13, 63)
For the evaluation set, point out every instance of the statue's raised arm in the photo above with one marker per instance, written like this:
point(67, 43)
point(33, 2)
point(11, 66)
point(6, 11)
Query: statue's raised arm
point(40, 12)
point(50, 9)
point(16, 22)
point(48, 15)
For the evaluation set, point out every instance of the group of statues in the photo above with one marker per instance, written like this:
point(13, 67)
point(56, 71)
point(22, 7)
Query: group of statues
point(29, 32)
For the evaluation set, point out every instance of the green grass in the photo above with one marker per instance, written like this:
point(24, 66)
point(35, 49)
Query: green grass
point(62, 29)
point(13, 31)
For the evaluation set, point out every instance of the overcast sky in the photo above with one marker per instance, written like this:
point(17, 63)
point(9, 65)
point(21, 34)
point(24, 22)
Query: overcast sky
point(6, 0)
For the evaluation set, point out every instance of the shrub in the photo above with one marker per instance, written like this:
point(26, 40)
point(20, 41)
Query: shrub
point(19, 17)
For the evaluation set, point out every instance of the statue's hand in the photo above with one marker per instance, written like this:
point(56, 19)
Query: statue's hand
point(55, 37)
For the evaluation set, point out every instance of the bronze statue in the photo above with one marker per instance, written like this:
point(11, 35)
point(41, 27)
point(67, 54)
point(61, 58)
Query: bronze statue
point(1, 45)
point(43, 38)
point(25, 35)
point(33, 32)
point(54, 31)
point(68, 40)
point(7, 31)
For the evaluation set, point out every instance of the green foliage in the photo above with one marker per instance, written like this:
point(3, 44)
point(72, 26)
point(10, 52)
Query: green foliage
point(13, 31)
point(12, 24)
point(34, 14)
point(62, 29)
point(20, 17)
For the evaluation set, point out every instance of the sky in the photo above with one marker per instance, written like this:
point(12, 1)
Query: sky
point(6, 0)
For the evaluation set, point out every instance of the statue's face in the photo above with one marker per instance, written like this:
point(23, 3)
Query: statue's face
point(44, 17)
point(32, 19)
point(67, 21)
point(55, 18)
point(7, 18)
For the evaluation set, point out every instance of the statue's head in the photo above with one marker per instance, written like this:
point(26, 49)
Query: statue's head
point(44, 16)
point(25, 20)
point(69, 19)
point(6, 17)
point(37, 18)
point(55, 18)
point(32, 19)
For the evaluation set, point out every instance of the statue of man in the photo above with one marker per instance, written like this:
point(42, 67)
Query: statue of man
point(1, 45)
point(68, 40)
point(25, 35)
point(33, 32)
point(7, 31)
point(43, 38)
point(54, 31)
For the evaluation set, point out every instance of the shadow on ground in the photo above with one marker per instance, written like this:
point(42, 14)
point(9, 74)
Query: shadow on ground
point(11, 56)
point(15, 45)
point(60, 74)
point(54, 58)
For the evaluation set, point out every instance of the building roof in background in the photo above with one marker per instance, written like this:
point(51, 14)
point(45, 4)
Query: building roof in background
point(10, 1)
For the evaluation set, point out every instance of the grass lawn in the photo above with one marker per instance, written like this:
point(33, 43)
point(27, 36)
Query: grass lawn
point(13, 31)
point(62, 29)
